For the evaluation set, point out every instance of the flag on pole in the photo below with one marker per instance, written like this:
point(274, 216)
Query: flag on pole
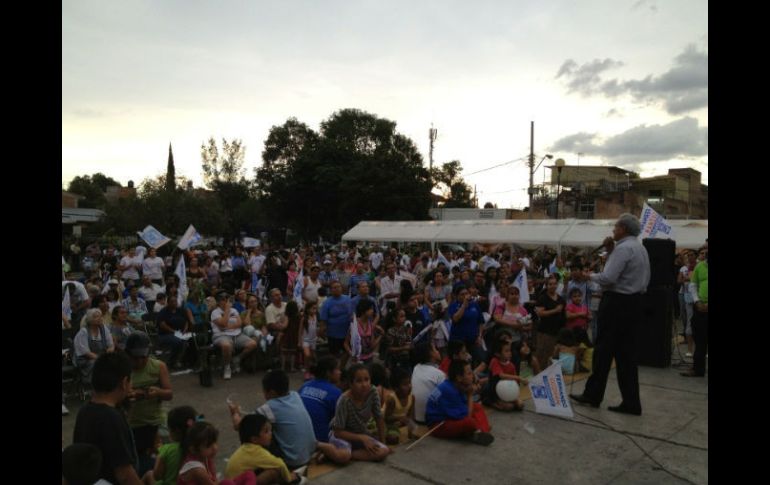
point(654, 225)
point(181, 272)
point(250, 242)
point(153, 237)
point(441, 258)
point(66, 306)
point(254, 283)
point(422, 333)
point(191, 237)
point(299, 286)
point(410, 277)
point(549, 392)
point(521, 283)
point(355, 338)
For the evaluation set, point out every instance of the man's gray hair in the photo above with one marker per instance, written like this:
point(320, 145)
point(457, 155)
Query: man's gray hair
point(630, 223)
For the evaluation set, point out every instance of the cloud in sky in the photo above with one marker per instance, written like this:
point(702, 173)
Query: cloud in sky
point(683, 88)
point(641, 4)
point(586, 79)
point(138, 75)
point(680, 139)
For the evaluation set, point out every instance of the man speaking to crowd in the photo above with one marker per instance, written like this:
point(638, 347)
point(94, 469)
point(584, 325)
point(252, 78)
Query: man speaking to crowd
point(624, 279)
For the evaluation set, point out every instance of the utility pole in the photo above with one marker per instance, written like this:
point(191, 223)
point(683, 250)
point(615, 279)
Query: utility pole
point(432, 134)
point(579, 186)
point(531, 166)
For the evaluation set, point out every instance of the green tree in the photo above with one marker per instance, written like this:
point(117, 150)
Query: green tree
point(458, 194)
point(227, 167)
point(223, 173)
point(124, 217)
point(153, 186)
point(170, 171)
point(357, 168)
point(92, 187)
point(169, 212)
point(290, 160)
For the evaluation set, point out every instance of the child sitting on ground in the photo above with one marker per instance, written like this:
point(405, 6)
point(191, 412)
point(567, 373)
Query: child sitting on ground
point(256, 434)
point(528, 361)
point(399, 406)
point(451, 412)
point(456, 350)
point(198, 467)
point(180, 419)
point(294, 438)
point(501, 368)
point(380, 378)
point(354, 410)
point(566, 351)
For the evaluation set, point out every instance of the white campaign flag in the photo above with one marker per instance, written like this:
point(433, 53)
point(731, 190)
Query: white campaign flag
point(355, 338)
point(299, 286)
point(66, 306)
point(523, 285)
point(181, 272)
point(549, 392)
point(422, 333)
point(654, 225)
point(440, 258)
point(153, 237)
point(250, 242)
point(190, 238)
point(410, 277)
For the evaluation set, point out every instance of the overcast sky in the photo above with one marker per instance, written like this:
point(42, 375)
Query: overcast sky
point(623, 83)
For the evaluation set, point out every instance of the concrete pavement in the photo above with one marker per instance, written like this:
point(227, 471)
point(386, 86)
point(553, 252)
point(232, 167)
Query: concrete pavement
point(667, 444)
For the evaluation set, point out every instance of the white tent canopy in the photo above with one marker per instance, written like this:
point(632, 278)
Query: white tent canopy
point(524, 232)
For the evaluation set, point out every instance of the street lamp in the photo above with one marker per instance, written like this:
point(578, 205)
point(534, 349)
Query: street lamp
point(532, 171)
point(559, 165)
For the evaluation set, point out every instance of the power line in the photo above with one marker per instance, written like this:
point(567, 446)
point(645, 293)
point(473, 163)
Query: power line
point(495, 166)
point(502, 191)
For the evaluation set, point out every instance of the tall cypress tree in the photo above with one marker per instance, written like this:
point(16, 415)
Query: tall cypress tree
point(170, 175)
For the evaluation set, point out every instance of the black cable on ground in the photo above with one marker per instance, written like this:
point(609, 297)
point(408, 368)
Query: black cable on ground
point(607, 426)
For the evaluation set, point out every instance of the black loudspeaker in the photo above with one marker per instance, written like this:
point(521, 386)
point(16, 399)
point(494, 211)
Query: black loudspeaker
point(654, 343)
point(662, 253)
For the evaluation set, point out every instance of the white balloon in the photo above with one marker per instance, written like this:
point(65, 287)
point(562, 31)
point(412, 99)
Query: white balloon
point(507, 390)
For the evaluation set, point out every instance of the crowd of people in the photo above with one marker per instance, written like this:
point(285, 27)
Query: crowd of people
point(385, 340)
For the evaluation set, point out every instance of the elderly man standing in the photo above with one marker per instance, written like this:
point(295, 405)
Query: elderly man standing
point(624, 279)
